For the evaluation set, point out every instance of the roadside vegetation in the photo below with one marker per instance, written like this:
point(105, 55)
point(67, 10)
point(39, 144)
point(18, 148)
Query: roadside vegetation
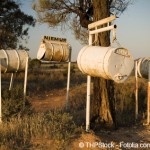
point(24, 128)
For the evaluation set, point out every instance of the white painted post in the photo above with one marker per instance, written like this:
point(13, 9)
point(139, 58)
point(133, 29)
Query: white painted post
point(101, 22)
point(88, 95)
point(148, 97)
point(11, 81)
point(68, 83)
point(25, 82)
point(88, 103)
point(0, 95)
point(103, 29)
point(136, 91)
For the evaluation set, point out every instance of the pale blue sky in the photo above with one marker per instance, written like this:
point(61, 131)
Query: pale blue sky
point(133, 30)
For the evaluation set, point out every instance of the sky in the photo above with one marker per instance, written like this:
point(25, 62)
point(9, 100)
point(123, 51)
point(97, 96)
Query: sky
point(133, 30)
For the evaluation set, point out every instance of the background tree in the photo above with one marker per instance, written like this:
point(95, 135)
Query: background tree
point(14, 25)
point(77, 14)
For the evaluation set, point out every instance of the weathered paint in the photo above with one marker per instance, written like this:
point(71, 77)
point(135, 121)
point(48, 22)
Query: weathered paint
point(54, 51)
point(14, 60)
point(107, 62)
point(142, 67)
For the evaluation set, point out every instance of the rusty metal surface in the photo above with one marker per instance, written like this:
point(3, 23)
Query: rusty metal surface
point(53, 51)
point(107, 62)
point(15, 60)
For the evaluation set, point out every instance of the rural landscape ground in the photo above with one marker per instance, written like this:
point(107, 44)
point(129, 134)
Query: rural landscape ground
point(47, 92)
point(135, 134)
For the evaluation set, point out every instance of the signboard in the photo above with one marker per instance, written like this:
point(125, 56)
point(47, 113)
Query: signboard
point(50, 38)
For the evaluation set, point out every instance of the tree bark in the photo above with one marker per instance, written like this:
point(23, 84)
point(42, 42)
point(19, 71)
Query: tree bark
point(103, 103)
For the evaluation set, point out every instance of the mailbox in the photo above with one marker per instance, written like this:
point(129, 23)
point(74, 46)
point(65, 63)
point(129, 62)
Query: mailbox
point(13, 60)
point(106, 62)
point(143, 67)
point(54, 49)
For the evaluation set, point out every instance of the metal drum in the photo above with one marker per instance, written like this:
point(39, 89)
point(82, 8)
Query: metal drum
point(54, 50)
point(107, 62)
point(13, 60)
point(143, 67)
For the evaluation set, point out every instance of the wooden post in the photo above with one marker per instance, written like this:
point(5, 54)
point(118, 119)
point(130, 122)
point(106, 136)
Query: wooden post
point(136, 91)
point(25, 83)
point(148, 97)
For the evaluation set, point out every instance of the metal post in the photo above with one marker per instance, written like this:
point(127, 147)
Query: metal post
point(68, 83)
point(25, 82)
point(148, 97)
point(0, 95)
point(136, 92)
point(88, 104)
point(11, 81)
point(88, 95)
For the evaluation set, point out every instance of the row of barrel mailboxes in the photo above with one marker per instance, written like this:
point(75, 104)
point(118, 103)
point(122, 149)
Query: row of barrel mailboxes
point(107, 62)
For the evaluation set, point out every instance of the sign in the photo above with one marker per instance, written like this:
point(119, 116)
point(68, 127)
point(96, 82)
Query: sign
point(50, 38)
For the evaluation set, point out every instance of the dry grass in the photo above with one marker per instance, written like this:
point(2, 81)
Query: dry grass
point(24, 132)
point(57, 128)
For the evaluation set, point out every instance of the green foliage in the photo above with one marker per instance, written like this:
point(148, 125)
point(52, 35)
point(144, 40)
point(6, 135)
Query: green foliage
point(61, 123)
point(13, 103)
point(14, 24)
point(34, 63)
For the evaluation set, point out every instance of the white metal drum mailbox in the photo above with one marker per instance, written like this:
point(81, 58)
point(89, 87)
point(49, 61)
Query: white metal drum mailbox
point(107, 62)
point(14, 60)
point(54, 49)
point(143, 67)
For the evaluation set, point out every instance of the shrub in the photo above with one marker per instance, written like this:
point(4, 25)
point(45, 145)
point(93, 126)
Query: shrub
point(21, 132)
point(13, 103)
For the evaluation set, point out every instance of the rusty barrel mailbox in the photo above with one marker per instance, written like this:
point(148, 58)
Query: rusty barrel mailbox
point(106, 62)
point(143, 67)
point(13, 60)
point(54, 49)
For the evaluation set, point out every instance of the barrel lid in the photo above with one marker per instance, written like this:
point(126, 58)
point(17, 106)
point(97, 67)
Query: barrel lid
point(120, 65)
point(41, 51)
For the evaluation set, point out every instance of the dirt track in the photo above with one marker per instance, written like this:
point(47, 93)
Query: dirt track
point(136, 137)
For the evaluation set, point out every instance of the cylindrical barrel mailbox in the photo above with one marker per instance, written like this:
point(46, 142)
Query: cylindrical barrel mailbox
point(13, 60)
point(54, 51)
point(143, 67)
point(107, 62)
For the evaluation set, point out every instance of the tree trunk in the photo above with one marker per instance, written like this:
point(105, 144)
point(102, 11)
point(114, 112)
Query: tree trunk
point(103, 104)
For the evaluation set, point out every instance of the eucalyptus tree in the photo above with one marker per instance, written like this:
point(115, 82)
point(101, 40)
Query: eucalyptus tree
point(14, 24)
